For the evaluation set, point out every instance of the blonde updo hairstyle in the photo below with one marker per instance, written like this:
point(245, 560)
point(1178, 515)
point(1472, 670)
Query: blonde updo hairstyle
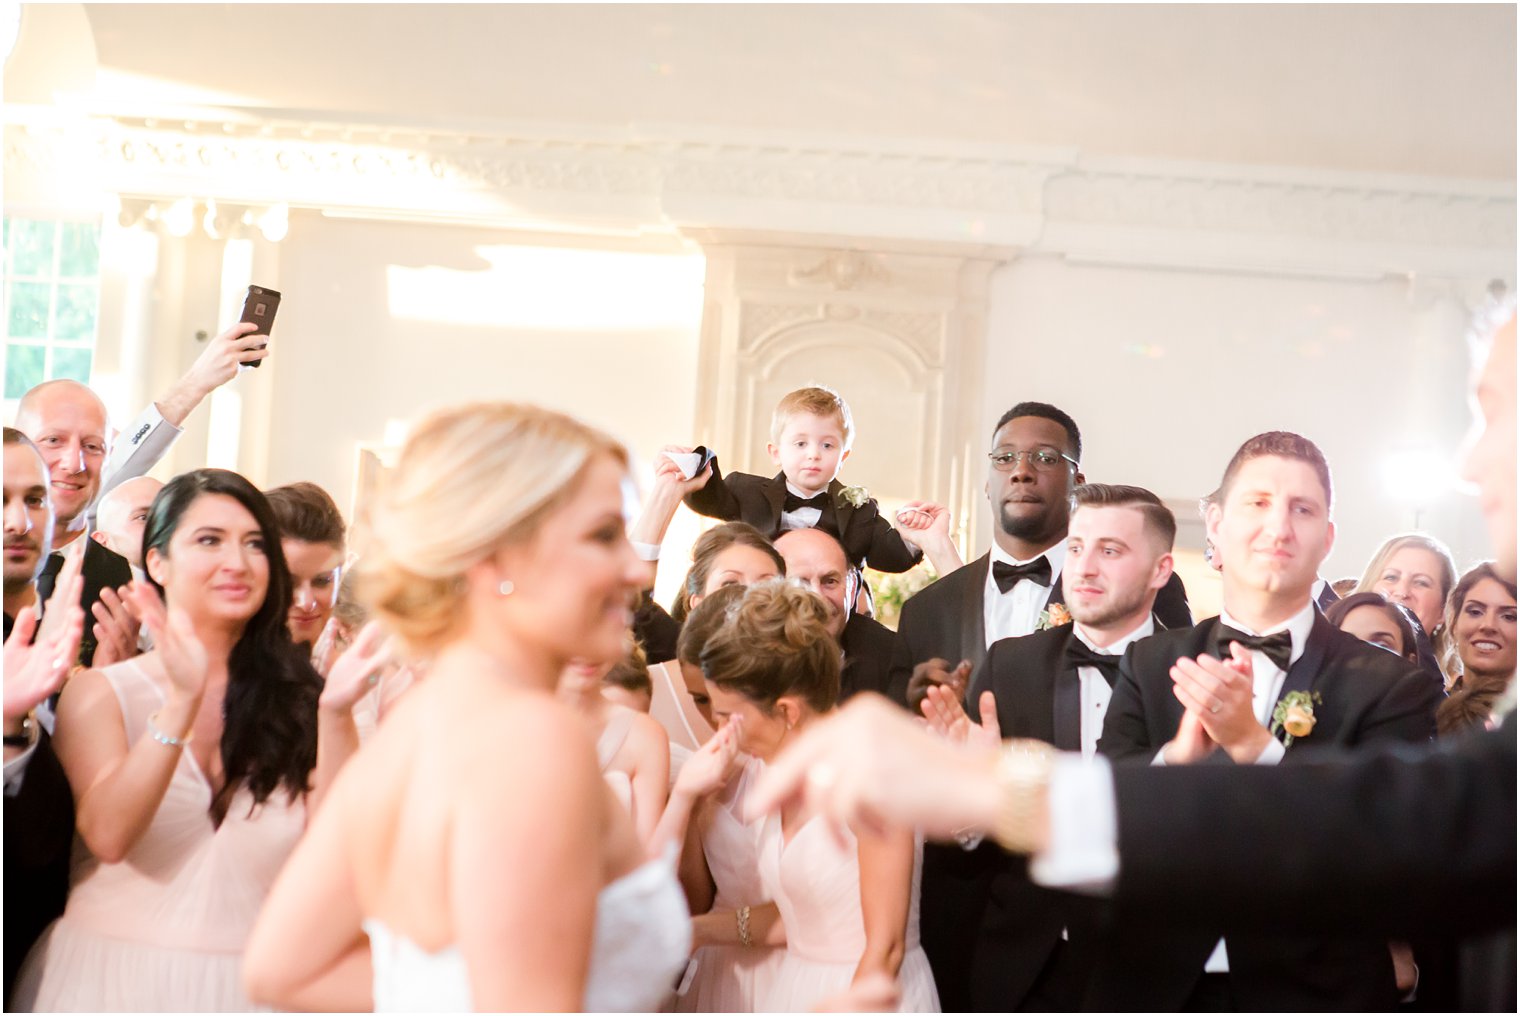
point(775, 643)
point(497, 470)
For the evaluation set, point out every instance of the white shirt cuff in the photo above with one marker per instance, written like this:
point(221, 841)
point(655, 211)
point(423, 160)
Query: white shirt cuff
point(1271, 754)
point(1083, 855)
point(646, 551)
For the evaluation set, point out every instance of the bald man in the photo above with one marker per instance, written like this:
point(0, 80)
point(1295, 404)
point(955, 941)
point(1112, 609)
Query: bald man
point(818, 559)
point(122, 516)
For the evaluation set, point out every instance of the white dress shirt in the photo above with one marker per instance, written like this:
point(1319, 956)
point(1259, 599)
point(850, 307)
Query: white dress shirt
point(1016, 612)
point(1096, 692)
point(1083, 853)
point(800, 518)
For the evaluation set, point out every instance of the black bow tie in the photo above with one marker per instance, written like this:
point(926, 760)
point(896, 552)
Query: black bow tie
point(1278, 646)
point(1008, 575)
point(1079, 654)
point(793, 502)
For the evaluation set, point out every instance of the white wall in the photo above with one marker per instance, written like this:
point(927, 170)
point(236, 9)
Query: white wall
point(1167, 372)
point(344, 365)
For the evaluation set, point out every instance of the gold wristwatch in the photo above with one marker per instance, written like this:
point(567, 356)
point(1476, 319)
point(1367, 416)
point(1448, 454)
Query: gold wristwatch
point(1023, 781)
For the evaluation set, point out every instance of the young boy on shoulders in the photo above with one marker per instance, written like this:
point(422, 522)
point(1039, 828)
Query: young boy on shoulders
point(811, 435)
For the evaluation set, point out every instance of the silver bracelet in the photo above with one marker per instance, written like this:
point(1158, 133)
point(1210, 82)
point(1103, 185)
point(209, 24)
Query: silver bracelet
point(163, 738)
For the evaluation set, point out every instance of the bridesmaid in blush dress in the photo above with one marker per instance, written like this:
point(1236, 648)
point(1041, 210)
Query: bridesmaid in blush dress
point(193, 766)
point(843, 910)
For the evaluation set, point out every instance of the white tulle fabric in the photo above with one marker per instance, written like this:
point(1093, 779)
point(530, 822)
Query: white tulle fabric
point(816, 885)
point(642, 938)
point(732, 978)
point(163, 929)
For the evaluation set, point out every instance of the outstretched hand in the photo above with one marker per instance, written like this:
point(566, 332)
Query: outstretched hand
point(358, 669)
point(179, 649)
point(947, 718)
point(937, 672)
point(668, 473)
point(871, 767)
point(34, 670)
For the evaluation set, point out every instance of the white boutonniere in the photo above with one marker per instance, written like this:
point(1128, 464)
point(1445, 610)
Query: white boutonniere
point(1053, 617)
point(853, 496)
point(1294, 715)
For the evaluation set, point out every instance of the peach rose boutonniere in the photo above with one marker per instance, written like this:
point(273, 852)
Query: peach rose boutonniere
point(1053, 617)
point(1294, 715)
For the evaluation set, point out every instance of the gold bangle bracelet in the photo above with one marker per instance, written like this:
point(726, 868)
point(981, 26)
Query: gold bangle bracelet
point(741, 916)
point(1023, 779)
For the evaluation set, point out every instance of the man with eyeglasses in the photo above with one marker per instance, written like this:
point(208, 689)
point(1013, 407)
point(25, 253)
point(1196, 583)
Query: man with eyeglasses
point(1033, 467)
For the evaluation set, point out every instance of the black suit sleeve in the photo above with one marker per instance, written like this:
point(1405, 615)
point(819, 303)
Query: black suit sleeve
point(888, 551)
point(1410, 839)
point(1171, 606)
point(714, 499)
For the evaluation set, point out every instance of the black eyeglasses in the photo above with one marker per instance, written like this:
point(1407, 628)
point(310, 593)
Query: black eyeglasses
point(1042, 459)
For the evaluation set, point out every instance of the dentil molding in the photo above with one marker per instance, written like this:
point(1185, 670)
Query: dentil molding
point(1057, 202)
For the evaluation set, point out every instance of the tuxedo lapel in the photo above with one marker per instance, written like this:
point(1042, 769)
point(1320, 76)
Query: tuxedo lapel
point(841, 508)
point(1056, 595)
point(1066, 697)
point(973, 599)
point(1305, 671)
point(775, 496)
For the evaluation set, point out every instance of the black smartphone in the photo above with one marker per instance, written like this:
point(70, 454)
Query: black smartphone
point(259, 307)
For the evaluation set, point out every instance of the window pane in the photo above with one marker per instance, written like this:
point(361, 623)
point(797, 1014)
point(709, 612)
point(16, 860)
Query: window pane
point(23, 368)
point(76, 312)
point(74, 363)
point(80, 254)
point(29, 310)
point(31, 247)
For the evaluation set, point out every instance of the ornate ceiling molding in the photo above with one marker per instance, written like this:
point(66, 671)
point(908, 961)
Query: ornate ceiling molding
point(1050, 201)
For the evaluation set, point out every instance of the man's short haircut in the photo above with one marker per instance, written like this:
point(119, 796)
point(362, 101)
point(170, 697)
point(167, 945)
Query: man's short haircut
point(14, 436)
point(1159, 519)
point(306, 512)
point(818, 400)
point(1046, 411)
point(1285, 445)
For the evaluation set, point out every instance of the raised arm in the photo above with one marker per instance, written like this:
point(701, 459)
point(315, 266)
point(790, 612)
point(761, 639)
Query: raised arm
point(670, 487)
point(346, 682)
point(118, 786)
point(926, 525)
point(714, 499)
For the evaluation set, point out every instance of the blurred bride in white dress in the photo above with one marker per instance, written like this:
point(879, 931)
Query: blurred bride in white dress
point(473, 838)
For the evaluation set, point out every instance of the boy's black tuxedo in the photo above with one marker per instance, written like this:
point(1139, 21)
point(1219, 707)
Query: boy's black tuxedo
point(1367, 696)
point(868, 539)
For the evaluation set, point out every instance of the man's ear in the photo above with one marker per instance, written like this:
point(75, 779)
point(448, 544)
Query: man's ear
point(845, 454)
point(1211, 519)
point(1078, 479)
point(1163, 571)
point(99, 538)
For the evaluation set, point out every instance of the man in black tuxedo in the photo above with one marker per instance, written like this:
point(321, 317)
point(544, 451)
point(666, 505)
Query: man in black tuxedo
point(816, 558)
point(1054, 686)
point(39, 809)
point(1032, 470)
point(1226, 686)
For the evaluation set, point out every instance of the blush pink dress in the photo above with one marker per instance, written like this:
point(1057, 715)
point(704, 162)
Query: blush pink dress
point(163, 929)
point(732, 978)
point(816, 885)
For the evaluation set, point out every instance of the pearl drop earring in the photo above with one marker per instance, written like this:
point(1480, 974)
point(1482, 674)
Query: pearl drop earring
point(506, 588)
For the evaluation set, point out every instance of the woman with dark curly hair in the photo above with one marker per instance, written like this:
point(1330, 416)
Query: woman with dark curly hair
point(191, 767)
